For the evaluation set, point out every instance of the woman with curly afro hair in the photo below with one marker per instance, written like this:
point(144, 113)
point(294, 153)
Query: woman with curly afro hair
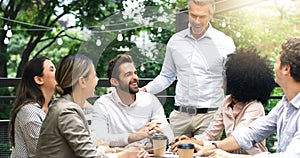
point(248, 81)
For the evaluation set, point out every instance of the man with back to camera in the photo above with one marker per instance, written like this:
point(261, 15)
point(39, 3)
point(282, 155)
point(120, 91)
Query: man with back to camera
point(126, 115)
point(196, 57)
point(284, 118)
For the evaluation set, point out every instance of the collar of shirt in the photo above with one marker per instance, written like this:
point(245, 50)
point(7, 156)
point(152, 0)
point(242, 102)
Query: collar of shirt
point(36, 105)
point(118, 100)
point(294, 102)
point(207, 34)
point(235, 110)
point(237, 107)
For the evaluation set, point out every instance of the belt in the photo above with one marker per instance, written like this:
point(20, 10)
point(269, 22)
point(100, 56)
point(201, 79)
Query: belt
point(193, 110)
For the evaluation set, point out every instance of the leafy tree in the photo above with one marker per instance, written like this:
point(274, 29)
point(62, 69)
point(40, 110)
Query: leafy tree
point(42, 17)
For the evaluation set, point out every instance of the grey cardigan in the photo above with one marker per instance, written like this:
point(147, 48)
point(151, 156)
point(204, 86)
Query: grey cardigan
point(64, 133)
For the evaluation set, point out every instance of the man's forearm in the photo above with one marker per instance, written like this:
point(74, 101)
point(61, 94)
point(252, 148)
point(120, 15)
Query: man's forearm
point(133, 137)
point(228, 144)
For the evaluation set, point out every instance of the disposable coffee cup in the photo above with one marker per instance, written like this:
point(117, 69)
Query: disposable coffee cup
point(159, 145)
point(185, 150)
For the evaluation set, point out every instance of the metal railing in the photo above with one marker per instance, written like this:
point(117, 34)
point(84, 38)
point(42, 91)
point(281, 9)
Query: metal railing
point(5, 149)
point(103, 82)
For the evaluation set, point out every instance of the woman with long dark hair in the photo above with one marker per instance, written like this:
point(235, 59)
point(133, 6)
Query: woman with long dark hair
point(34, 93)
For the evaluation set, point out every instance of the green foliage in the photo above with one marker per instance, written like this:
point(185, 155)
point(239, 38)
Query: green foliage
point(270, 143)
point(272, 102)
point(5, 150)
point(149, 69)
point(5, 106)
point(180, 4)
point(36, 20)
point(265, 30)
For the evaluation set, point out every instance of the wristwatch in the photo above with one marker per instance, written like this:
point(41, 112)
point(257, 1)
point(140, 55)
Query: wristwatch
point(214, 144)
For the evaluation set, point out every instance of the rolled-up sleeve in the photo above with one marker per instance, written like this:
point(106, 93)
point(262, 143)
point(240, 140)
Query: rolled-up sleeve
point(291, 151)
point(257, 131)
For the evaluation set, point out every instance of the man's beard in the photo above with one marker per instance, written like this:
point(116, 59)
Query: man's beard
point(199, 28)
point(127, 88)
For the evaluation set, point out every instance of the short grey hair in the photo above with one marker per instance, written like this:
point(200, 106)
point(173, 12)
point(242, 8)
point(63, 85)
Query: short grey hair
point(203, 2)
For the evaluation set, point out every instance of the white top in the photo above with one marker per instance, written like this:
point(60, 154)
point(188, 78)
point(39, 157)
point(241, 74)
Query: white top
point(113, 121)
point(197, 64)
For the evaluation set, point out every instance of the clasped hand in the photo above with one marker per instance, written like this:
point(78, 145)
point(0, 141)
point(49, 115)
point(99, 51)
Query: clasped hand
point(148, 131)
point(152, 128)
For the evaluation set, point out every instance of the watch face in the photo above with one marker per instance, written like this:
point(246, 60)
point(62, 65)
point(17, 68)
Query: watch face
point(148, 145)
point(215, 144)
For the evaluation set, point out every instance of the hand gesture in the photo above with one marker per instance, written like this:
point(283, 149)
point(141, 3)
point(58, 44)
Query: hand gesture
point(150, 129)
point(178, 140)
point(218, 153)
point(134, 151)
point(153, 128)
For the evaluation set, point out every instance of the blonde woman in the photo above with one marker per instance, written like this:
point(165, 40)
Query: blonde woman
point(65, 132)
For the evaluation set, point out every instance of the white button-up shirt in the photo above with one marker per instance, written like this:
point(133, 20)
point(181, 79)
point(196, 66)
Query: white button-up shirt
point(113, 121)
point(197, 64)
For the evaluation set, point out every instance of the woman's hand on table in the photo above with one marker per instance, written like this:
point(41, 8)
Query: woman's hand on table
point(212, 152)
point(179, 140)
point(185, 140)
point(218, 153)
point(133, 151)
point(140, 154)
point(204, 150)
point(101, 143)
point(143, 154)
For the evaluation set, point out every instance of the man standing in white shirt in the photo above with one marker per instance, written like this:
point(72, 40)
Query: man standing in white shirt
point(126, 115)
point(196, 57)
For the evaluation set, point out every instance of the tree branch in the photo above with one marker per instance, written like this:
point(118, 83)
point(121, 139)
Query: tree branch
point(74, 38)
point(49, 44)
